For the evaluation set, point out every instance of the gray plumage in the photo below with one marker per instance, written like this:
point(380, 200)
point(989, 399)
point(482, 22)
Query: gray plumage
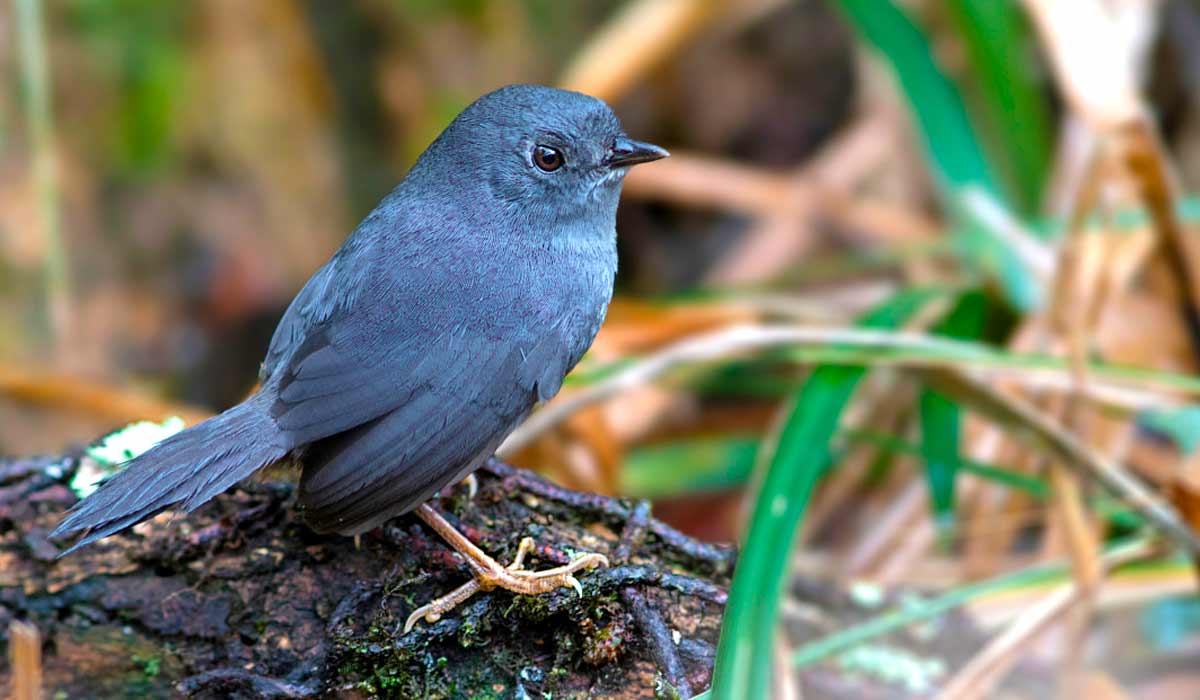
point(460, 302)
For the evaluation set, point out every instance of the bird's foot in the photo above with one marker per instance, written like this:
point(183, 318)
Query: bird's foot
point(490, 574)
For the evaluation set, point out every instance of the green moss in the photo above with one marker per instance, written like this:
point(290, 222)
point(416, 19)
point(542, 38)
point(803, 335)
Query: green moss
point(151, 666)
point(533, 608)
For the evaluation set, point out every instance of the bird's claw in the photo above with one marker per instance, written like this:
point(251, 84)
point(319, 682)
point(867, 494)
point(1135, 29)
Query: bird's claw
point(511, 578)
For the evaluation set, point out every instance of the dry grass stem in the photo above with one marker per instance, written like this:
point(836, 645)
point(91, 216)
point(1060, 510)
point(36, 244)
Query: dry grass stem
point(981, 675)
point(1019, 416)
point(744, 339)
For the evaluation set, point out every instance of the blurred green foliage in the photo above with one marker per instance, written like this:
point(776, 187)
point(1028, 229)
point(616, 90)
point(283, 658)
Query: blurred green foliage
point(142, 45)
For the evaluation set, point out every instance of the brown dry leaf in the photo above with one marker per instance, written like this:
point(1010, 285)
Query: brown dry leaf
point(590, 429)
point(636, 326)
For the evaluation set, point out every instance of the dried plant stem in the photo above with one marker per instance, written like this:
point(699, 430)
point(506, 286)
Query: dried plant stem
point(743, 339)
point(35, 83)
point(988, 667)
point(704, 182)
point(1019, 416)
point(1096, 65)
point(25, 652)
point(1073, 313)
point(1083, 547)
point(1146, 159)
point(983, 672)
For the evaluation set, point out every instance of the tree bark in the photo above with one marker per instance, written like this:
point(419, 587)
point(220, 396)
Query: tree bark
point(240, 599)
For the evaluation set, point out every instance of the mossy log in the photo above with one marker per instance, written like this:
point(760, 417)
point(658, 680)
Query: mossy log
point(240, 599)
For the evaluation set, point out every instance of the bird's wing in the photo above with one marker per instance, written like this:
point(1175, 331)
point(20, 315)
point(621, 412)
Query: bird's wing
point(331, 291)
point(369, 358)
point(399, 371)
point(420, 418)
point(356, 479)
point(451, 404)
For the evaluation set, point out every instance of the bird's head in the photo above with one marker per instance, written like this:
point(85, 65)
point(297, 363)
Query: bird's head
point(554, 155)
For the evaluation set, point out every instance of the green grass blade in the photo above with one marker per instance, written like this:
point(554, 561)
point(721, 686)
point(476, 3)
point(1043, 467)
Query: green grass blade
point(940, 423)
point(1034, 486)
point(941, 418)
point(949, 139)
point(935, 352)
point(743, 665)
point(1015, 111)
point(708, 463)
point(946, 131)
point(1181, 425)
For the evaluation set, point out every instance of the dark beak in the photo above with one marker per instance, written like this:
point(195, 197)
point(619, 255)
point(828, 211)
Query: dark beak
point(626, 152)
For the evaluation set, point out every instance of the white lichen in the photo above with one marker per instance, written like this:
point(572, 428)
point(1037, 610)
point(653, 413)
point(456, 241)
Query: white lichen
point(893, 665)
point(866, 594)
point(102, 460)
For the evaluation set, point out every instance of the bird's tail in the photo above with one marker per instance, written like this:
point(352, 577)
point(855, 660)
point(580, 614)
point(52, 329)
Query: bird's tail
point(189, 467)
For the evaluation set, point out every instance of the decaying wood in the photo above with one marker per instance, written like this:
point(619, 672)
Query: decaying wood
point(240, 599)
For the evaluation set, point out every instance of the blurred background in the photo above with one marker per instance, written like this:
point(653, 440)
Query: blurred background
point(894, 241)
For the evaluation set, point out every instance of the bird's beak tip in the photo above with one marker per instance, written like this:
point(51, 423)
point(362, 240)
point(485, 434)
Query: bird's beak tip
point(627, 152)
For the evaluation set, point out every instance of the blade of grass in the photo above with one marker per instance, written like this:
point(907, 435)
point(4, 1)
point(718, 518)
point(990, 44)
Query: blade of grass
point(940, 423)
point(812, 345)
point(949, 139)
point(718, 462)
point(941, 418)
point(743, 664)
point(1032, 485)
point(688, 466)
point(946, 131)
point(997, 37)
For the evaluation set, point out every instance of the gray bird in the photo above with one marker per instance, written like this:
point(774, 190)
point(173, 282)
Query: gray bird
point(455, 307)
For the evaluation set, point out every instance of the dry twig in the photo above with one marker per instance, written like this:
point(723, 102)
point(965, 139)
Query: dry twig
point(25, 650)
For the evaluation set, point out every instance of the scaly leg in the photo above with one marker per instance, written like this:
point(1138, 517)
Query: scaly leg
point(489, 574)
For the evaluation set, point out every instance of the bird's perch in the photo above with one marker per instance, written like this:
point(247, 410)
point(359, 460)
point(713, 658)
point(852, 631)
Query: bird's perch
point(240, 599)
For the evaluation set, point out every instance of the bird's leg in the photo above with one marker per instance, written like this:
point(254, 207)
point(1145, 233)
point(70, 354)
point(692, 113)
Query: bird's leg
point(489, 574)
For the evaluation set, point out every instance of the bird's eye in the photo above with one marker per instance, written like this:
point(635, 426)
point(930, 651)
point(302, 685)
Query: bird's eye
point(547, 158)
